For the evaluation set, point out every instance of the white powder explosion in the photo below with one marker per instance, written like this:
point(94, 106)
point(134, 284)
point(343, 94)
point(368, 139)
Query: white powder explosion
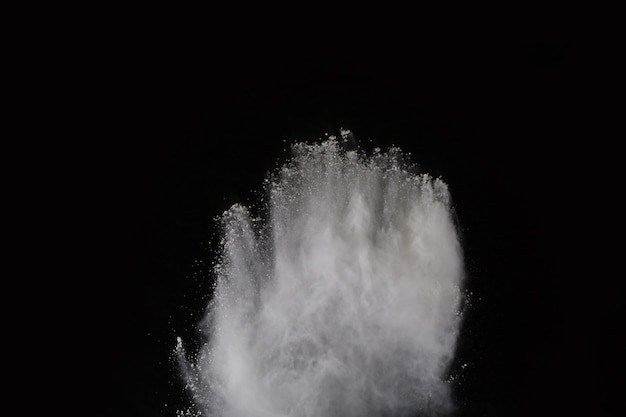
point(344, 303)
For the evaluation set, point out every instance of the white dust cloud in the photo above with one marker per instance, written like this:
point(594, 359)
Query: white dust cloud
point(344, 302)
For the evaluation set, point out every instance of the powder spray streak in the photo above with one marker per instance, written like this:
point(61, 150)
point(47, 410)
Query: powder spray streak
point(343, 303)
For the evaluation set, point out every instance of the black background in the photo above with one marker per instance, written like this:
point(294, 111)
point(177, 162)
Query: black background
point(507, 121)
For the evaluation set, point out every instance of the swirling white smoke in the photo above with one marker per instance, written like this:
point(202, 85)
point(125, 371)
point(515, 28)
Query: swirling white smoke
point(344, 303)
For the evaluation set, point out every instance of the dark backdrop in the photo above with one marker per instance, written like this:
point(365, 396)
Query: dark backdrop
point(505, 121)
